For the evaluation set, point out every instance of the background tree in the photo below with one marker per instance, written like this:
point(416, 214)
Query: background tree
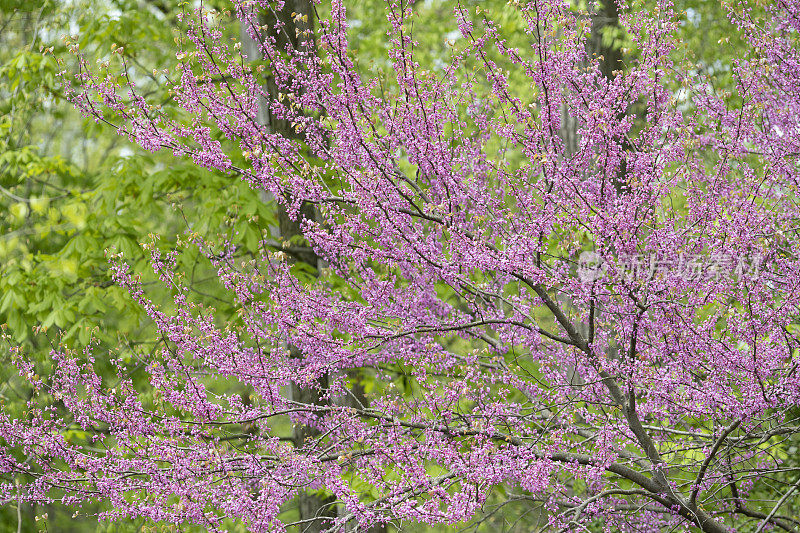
point(69, 192)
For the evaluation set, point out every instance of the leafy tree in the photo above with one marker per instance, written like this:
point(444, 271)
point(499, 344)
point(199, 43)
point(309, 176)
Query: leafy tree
point(69, 193)
point(604, 330)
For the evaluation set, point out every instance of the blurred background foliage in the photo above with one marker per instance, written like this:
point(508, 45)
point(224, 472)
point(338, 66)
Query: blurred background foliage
point(72, 190)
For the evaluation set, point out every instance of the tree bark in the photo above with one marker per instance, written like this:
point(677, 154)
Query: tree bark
point(605, 19)
point(297, 20)
point(316, 512)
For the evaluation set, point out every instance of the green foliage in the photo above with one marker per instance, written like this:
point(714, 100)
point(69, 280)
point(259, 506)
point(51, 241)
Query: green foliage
point(71, 191)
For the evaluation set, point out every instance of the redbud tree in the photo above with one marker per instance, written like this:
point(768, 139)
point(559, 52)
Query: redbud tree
point(603, 329)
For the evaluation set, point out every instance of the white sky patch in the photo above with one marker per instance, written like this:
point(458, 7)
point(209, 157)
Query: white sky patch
point(693, 16)
point(453, 35)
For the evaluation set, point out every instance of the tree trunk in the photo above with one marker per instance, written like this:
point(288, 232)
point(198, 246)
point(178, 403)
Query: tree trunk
point(605, 20)
point(297, 19)
point(316, 512)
